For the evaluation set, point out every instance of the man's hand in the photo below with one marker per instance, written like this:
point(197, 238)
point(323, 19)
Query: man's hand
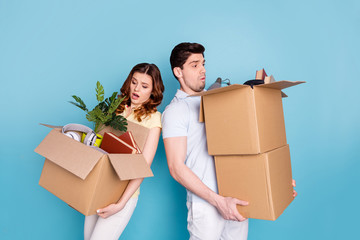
point(227, 208)
point(294, 185)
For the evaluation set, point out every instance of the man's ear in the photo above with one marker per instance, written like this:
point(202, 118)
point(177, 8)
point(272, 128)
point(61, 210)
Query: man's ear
point(177, 72)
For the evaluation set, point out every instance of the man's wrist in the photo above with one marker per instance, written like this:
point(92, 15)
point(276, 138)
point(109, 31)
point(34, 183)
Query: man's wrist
point(214, 199)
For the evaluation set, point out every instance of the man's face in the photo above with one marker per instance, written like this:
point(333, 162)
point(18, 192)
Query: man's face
point(192, 75)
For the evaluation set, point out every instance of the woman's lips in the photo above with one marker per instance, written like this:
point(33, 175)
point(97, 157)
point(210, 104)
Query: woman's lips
point(134, 96)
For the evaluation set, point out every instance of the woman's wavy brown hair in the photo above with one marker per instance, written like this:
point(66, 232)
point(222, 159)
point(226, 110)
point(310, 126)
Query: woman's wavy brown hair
point(156, 96)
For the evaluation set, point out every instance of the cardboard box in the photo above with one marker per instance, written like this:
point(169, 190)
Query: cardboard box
point(85, 178)
point(244, 120)
point(264, 180)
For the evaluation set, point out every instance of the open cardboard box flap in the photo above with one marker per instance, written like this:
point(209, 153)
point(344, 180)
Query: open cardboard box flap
point(280, 84)
point(80, 159)
point(274, 85)
point(130, 166)
point(69, 154)
point(219, 90)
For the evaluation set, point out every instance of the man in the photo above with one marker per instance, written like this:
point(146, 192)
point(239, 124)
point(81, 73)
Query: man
point(210, 216)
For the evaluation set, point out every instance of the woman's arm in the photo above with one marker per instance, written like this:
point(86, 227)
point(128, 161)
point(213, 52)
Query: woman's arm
point(148, 153)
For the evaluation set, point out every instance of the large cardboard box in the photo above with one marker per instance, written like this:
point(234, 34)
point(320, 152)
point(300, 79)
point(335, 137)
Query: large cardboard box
point(244, 120)
point(85, 178)
point(264, 180)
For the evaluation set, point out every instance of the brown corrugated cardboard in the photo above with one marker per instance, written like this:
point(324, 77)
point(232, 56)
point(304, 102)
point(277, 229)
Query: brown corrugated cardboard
point(244, 120)
point(264, 180)
point(85, 178)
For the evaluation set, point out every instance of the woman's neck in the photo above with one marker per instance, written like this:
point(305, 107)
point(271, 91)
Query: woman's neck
point(133, 106)
point(128, 110)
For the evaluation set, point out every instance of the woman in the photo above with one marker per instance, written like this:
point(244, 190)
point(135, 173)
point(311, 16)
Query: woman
point(143, 91)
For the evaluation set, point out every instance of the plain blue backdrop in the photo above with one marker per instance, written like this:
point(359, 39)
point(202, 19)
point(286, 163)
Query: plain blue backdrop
point(50, 50)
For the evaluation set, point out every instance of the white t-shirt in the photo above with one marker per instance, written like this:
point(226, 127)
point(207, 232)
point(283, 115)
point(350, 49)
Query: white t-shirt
point(181, 118)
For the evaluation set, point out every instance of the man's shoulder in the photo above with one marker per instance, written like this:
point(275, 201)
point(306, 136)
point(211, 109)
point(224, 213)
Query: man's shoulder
point(177, 105)
point(182, 104)
point(175, 118)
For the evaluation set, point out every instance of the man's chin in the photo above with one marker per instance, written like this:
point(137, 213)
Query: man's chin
point(201, 88)
point(197, 88)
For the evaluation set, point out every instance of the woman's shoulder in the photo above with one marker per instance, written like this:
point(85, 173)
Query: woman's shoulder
point(156, 114)
point(153, 120)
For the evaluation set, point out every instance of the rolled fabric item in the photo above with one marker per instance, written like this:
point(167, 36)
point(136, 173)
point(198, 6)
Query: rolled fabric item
point(254, 82)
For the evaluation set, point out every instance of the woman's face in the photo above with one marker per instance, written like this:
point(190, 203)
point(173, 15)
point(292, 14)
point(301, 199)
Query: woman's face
point(140, 89)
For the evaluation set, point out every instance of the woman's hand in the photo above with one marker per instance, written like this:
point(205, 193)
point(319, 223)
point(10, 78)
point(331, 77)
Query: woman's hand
point(109, 210)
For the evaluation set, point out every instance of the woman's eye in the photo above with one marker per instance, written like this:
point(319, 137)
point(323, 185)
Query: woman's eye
point(145, 86)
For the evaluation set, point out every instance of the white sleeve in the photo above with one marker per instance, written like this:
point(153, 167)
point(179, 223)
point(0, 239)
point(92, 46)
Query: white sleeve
point(175, 120)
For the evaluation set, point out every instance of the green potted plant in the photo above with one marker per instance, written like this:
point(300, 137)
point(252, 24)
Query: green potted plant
point(103, 114)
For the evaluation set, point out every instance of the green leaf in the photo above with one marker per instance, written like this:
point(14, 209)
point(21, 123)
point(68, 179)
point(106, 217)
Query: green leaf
point(112, 98)
point(118, 122)
point(104, 112)
point(103, 106)
point(99, 92)
point(100, 114)
point(115, 104)
point(79, 103)
point(91, 116)
point(107, 117)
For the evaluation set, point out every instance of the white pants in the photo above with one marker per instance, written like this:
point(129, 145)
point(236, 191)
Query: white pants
point(97, 228)
point(206, 223)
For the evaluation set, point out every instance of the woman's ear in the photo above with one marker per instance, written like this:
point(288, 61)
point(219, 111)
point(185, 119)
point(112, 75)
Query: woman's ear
point(177, 72)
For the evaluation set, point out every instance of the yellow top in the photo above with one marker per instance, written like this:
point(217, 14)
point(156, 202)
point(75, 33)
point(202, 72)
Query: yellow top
point(154, 120)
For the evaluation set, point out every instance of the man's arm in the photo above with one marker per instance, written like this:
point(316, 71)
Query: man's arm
point(175, 148)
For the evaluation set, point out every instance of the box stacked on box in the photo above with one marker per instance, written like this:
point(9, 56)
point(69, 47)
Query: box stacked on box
point(245, 131)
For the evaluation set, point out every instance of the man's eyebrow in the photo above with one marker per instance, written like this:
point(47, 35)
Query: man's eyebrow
point(196, 61)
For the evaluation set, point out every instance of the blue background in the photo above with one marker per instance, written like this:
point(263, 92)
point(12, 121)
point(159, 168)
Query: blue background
point(50, 50)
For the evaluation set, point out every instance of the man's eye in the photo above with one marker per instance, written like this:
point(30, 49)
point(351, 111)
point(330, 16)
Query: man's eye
point(195, 65)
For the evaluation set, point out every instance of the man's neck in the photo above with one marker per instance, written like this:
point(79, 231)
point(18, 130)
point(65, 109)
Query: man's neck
point(188, 90)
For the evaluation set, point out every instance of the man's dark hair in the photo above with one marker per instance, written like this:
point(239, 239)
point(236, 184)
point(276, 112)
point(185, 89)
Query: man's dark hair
point(182, 51)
